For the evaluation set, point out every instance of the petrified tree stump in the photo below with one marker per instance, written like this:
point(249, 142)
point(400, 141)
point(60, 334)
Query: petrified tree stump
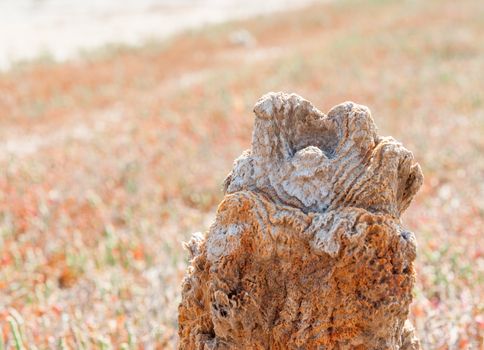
point(307, 250)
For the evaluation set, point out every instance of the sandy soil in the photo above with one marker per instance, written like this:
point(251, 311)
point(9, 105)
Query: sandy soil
point(61, 29)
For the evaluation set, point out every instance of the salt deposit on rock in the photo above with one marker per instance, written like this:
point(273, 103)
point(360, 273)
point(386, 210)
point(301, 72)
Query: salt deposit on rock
point(307, 250)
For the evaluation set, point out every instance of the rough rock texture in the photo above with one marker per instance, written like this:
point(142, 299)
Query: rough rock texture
point(307, 250)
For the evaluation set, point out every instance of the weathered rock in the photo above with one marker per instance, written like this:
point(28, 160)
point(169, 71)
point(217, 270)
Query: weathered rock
point(307, 250)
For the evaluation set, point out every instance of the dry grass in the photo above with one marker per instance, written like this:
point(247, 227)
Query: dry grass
point(109, 163)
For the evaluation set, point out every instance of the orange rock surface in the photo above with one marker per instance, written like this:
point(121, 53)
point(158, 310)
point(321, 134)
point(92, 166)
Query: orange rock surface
point(307, 250)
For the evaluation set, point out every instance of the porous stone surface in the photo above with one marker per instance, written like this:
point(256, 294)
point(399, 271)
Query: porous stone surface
point(307, 250)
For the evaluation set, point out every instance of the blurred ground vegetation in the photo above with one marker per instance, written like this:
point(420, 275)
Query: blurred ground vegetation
point(109, 162)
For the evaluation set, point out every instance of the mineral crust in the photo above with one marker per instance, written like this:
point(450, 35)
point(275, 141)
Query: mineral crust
point(307, 250)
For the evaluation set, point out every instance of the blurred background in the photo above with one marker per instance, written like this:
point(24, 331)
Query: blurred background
point(120, 119)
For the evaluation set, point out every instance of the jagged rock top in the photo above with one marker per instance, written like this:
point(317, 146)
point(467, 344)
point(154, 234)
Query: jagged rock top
point(316, 162)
